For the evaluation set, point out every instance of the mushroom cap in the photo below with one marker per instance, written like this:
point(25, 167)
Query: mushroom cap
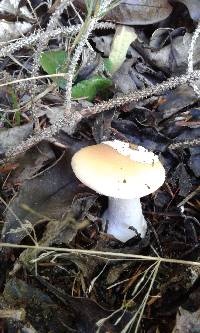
point(115, 169)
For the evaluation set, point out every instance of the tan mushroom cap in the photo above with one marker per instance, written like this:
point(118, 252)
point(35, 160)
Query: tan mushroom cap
point(114, 169)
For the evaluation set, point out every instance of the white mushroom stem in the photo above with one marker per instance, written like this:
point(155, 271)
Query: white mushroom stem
point(121, 215)
point(124, 36)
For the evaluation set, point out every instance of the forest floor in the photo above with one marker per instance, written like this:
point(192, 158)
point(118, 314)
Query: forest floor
point(74, 74)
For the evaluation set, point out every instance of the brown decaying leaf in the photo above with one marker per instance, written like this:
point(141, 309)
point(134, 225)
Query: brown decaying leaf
point(89, 312)
point(174, 56)
point(140, 12)
point(41, 311)
point(193, 8)
point(45, 313)
point(49, 194)
point(136, 12)
point(14, 136)
point(187, 322)
point(8, 167)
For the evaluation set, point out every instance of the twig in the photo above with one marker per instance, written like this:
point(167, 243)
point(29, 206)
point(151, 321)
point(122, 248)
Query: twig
point(190, 57)
point(42, 43)
point(185, 144)
point(115, 102)
point(40, 34)
point(189, 196)
point(191, 50)
point(91, 21)
point(49, 168)
point(73, 63)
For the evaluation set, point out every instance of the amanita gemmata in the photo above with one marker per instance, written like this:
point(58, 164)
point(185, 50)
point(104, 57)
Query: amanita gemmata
point(124, 174)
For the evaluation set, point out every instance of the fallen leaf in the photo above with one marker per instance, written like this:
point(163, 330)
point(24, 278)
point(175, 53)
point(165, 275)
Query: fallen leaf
point(42, 312)
point(13, 30)
point(56, 232)
point(135, 12)
point(150, 138)
point(174, 101)
point(193, 8)
point(34, 161)
point(187, 322)
point(12, 137)
point(140, 12)
point(8, 167)
point(50, 194)
point(14, 7)
point(174, 56)
point(54, 62)
point(89, 88)
point(184, 180)
point(89, 313)
point(103, 44)
point(194, 164)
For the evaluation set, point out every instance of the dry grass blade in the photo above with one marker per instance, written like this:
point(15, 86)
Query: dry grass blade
point(108, 255)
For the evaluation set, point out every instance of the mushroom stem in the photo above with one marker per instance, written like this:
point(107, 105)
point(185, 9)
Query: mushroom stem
point(123, 214)
point(123, 38)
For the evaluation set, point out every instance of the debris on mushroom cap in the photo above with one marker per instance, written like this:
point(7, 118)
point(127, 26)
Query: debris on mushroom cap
point(140, 154)
point(114, 169)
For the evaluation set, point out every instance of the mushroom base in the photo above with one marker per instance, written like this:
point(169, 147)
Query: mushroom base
point(125, 218)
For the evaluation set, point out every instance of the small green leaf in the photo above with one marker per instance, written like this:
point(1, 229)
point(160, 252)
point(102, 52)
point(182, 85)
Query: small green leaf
point(54, 62)
point(89, 88)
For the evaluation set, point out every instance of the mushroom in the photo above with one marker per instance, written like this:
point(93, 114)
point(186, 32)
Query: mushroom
point(124, 174)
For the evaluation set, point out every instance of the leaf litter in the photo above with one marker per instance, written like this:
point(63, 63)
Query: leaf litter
point(43, 204)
